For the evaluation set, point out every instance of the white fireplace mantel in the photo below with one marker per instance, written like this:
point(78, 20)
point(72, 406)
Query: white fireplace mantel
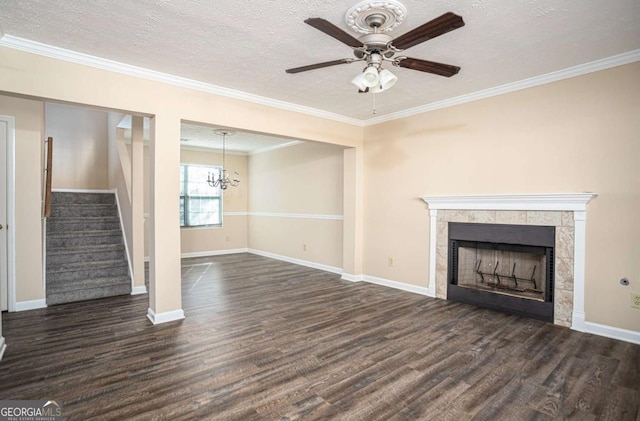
point(531, 202)
point(575, 202)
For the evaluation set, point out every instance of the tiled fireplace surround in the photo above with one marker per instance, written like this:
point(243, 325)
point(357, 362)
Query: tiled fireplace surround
point(567, 212)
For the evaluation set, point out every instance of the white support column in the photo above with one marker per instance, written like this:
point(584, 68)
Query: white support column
point(433, 226)
point(137, 205)
point(579, 257)
point(165, 295)
point(353, 221)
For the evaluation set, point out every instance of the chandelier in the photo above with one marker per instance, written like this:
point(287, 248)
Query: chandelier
point(223, 181)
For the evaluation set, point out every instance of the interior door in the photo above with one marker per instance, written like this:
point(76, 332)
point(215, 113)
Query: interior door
point(4, 137)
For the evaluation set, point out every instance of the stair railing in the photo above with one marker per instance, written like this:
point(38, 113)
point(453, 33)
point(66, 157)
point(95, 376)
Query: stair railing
point(47, 183)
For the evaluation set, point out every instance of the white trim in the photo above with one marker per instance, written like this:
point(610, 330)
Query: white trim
point(579, 70)
point(139, 290)
point(124, 238)
point(127, 69)
point(541, 202)
point(213, 253)
point(397, 285)
point(167, 316)
point(3, 347)
point(11, 214)
point(613, 332)
point(576, 202)
point(433, 227)
point(352, 278)
point(275, 148)
point(297, 215)
point(30, 305)
point(300, 262)
point(235, 213)
point(579, 258)
point(186, 147)
point(83, 190)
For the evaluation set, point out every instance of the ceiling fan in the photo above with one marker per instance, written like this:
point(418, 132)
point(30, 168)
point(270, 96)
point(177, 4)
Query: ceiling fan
point(373, 19)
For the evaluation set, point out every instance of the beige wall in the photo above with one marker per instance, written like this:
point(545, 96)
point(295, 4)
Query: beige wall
point(233, 233)
point(575, 135)
point(306, 178)
point(29, 117)
point(79, 146)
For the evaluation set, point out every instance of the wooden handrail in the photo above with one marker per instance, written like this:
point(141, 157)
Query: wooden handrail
point(47, 187)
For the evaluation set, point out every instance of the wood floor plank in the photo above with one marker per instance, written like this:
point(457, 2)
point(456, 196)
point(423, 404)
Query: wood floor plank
point(268, 340)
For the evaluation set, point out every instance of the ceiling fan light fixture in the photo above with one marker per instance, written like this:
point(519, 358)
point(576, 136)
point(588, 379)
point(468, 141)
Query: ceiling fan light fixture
point(359, 81)
point(387, 79)
point(370, 77)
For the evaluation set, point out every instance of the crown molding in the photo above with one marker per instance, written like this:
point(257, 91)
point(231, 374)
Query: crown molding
point(582, 69)
point(211, 150)
point(46, 50)
point(275, 148)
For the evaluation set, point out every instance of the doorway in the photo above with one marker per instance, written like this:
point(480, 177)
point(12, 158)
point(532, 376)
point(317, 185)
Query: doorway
point(7, 127)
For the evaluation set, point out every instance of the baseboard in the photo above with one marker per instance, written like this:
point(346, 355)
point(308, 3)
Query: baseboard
point(139, 290)
point(352, 278)
point(3, 347)
point(213, 253)
point(300, 262)
point(167, 316)
point(613, 332)
point(397, 285)
point(30, 305)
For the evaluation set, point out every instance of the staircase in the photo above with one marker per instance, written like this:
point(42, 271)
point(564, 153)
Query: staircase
point(86, 258)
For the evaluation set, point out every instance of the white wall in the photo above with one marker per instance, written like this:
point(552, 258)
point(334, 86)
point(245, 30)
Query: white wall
point(79, 146)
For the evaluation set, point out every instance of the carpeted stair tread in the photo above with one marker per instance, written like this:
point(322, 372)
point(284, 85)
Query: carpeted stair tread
point(90, 233)
point(83, 210)
point(74, 224)
point(82, 198)
point(100, 248)
point(107, 281)
point(76, 266)
point(87, 294)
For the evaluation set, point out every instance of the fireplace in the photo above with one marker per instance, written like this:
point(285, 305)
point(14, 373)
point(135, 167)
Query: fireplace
point(508, 268)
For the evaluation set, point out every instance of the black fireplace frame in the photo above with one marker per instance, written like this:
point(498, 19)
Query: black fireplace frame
point(530, 238)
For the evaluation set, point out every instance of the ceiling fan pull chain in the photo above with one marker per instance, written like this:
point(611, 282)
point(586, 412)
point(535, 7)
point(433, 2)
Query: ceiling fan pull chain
point(374, 103)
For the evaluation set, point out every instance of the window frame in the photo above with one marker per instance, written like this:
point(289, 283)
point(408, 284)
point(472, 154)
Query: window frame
point(186, 197)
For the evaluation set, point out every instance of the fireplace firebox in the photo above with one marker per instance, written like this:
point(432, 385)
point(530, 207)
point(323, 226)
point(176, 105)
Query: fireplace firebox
point(508, 268)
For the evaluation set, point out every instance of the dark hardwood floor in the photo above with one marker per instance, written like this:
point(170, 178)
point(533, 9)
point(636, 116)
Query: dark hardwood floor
point(264, 339)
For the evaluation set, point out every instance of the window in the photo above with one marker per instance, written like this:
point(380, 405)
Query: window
point(200, 204)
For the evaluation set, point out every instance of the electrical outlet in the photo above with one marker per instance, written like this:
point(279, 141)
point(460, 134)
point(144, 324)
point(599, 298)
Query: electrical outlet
point(635, 300)
point(227, 239)
point(304, 247)
point(390, 262)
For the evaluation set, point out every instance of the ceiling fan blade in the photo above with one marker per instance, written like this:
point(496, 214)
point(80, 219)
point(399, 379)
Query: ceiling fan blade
point(438, 26)
point(429, 66)
point(333, 31)
point(319, 65)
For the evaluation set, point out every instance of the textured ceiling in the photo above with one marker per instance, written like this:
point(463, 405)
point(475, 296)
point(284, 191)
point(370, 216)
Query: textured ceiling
point(246, 45)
